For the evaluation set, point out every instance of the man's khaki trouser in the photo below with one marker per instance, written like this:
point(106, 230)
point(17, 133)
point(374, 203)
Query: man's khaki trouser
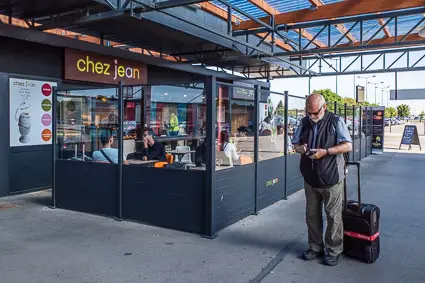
point(332, 199)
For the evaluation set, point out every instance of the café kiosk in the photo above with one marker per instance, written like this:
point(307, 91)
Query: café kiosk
point(95, 97)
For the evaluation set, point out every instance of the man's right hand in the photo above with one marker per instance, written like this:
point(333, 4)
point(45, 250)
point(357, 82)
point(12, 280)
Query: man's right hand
point(144, 158)
point(301, 148)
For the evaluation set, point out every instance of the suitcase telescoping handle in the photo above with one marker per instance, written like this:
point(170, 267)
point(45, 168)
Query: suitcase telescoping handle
point(348, 163)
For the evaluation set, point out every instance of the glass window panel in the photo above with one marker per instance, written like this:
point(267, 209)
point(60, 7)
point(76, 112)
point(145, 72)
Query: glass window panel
point(271, 130)
point(296, 112)
point(87, 121)
point(174, 123)
point(234, 126)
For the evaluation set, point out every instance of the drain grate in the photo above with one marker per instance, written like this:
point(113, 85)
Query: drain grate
point(8, 205)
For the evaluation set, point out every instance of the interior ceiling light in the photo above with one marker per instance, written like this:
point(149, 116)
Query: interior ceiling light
point(421, 33)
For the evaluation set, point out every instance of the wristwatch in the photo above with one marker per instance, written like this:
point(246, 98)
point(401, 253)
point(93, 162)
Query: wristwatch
point(327, 151)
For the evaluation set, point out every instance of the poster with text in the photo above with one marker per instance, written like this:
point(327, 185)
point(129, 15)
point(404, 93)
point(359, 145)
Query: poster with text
point(30, 112)
point(378, 130)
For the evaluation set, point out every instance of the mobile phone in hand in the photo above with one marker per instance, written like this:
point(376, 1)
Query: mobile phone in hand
point(310, 153)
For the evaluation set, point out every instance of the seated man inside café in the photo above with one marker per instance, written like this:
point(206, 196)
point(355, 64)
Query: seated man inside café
point(152, 150)
point(107, 154)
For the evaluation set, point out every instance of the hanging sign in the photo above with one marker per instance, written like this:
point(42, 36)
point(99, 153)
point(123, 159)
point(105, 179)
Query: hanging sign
point(92, 67)
point(30, 112)
point(378, 130)
point(410, 136)
point(243, 93)
point(360, 94)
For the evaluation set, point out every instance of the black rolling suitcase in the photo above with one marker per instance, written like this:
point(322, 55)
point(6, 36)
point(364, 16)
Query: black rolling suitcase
point(361, 226)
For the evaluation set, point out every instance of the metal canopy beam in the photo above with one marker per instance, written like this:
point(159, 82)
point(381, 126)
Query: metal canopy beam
point(382, 43)
point(224, 15)
point(348, 8)
point(340, 27)
point(315, 24)
point(365, 62)
point(386, 29)
point(80, 20)
point(364, 43)
point(263, 5)
point(176, 3)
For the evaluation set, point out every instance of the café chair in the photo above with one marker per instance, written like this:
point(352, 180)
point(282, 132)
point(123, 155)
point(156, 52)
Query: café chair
point(186, 158)
point(161, 164)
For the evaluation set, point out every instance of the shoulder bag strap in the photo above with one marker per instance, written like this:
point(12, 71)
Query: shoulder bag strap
point(106, 156)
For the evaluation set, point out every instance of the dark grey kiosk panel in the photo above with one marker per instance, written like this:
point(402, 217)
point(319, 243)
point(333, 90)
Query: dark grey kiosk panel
point(87, 187)
point(270, 182)
point(295, 180)
point(235, 194)
point(164, 197)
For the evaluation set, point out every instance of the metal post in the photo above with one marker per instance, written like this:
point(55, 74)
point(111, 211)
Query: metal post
point(345, 113)
point(285, 144)
point(229, 20)
point(309, 85)
point(336, 84)
point(354, 132)
point(360, 129)
point(382, 97)
point(54, 153)
point(209, 213)
point(120, 147)
point(365, 94)
point(366, 129)
point(335, 107)
point(375, 93)
point(256, 144)
point(355, 89)
point(396, 85)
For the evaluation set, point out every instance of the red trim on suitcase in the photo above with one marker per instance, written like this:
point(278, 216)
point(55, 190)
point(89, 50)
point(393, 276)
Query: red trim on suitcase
point(361, 236)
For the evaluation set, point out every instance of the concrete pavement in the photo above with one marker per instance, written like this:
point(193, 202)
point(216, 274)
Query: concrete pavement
point(38, 244)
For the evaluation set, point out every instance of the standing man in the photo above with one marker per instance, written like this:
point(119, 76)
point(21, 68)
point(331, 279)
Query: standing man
point(322, 138)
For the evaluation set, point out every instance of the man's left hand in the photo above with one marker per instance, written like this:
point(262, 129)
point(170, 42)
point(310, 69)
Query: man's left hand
point(319, 153)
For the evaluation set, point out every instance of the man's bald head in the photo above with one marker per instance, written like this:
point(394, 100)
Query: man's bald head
point(315, 100)
point(315, 106)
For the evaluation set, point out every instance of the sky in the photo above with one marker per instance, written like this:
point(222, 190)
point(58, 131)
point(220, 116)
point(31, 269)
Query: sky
point(345, 85)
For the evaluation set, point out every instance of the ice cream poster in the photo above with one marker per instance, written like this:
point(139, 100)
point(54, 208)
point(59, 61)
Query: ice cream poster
point(30, 112)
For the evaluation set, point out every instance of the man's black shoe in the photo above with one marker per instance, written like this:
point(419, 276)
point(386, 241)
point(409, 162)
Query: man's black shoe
point(311, 255)
point(332, 260)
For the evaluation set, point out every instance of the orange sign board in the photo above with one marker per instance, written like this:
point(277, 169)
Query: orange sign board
point(97, 68)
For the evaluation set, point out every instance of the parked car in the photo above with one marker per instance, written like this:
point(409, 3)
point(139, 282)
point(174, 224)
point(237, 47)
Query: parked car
point(386, 122)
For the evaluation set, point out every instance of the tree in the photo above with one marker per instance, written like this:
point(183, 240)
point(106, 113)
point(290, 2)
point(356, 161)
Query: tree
point(349, 101)
point(390, 112)
point(422, 115)
point(329, 96)
point(369, 104)
point(280, 109)
point(403, 110)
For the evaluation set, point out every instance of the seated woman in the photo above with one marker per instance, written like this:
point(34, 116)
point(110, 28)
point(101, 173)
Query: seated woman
point(152, 150)
point(107, 154)
point(228, 148)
